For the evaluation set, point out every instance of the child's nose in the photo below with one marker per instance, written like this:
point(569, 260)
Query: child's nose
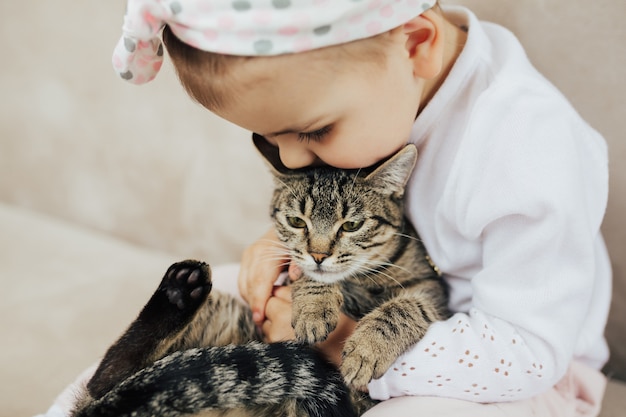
point(295, 154)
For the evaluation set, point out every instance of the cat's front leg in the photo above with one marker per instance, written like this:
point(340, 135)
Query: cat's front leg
point(380, 338)
point(316, 307)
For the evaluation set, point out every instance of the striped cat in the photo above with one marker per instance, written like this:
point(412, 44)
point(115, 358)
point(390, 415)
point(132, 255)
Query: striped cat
point(193, 352)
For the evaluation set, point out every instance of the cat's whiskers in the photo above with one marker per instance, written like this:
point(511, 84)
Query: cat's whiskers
point(279, 249)
point(408, 237)
point(361, 273)
point(372, 273)
point(275, 243)
point(355, 178)
point(276, 254)
point(369, 270)
point(284, 261)
point(391, 264)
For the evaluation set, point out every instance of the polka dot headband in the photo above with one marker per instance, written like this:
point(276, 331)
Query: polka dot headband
point(251, 27)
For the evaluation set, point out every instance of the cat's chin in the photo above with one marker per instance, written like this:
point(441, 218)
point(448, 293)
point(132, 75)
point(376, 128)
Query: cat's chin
point(327, 277)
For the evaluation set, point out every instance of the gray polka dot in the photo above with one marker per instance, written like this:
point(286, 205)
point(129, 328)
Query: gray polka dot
point(176, 7)
point(160, 50)
point(426, 6)
point(263, 46)
point(126, 75)
point(241, 5)
point(322, 30)
point(281, 4)
point(130, 45)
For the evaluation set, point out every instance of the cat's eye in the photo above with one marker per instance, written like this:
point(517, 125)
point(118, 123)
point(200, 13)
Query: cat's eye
point(352, 226)
point(296, 222)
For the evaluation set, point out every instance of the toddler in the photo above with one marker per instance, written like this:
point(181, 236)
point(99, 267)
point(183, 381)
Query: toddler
point(508, 193)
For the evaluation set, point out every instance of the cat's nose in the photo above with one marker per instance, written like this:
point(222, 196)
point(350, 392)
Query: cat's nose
point(319, 257)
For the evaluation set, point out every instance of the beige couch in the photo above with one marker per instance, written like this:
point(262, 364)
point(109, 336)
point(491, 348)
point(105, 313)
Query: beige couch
point(103, 184)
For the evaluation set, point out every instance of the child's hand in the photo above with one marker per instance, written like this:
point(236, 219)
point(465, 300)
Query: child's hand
point(260, 265)
point(277, 324)
point(333, 345)
point(278, 311)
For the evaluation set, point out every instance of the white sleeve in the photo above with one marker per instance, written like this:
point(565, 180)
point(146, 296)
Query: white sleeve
point(65, 402)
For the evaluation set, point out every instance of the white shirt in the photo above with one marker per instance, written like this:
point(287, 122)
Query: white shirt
point(508, 195)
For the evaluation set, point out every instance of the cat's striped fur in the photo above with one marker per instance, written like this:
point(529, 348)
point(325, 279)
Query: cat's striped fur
point(193, 352)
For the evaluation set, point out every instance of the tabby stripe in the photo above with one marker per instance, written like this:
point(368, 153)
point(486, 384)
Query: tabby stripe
point(386, 325)
point(303, 206)
point(344, 209)
point(425, 316)
point(373, 245)
point(383, 220)
point(399, 250)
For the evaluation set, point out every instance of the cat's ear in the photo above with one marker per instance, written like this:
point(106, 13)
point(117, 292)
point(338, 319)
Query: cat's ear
point(269, 153)
point(395, 172)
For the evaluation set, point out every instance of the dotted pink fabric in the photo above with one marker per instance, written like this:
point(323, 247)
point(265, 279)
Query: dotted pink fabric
point(251, 27)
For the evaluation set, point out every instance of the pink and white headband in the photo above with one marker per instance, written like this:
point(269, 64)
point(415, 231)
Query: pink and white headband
point(251, 27)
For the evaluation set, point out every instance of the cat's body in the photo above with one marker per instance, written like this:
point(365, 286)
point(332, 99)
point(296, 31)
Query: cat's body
point(194, 354)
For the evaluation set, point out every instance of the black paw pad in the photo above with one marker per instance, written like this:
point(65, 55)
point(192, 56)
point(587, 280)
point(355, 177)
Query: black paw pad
point(186, 284)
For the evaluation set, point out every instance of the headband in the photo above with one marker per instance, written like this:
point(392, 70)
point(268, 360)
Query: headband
point(251, 27)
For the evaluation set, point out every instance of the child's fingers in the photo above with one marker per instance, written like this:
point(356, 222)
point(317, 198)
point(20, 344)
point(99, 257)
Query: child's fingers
point(282, 292)
point(255, 288)
point(258, 272)
point(277, 326)
point(295, 272)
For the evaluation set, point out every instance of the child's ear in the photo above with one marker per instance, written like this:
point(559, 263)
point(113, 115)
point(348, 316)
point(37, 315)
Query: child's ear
point(425, 43)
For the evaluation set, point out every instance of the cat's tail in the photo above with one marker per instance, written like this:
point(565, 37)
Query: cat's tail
point(230, 377)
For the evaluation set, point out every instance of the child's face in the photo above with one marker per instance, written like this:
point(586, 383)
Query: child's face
point(322, 112)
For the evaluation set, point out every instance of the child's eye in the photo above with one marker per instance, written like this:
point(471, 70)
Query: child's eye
point(315, 136)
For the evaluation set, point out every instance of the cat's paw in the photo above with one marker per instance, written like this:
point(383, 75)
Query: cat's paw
point(314, 325)
point(316, 308)
point(366, 355)
point(186, 285)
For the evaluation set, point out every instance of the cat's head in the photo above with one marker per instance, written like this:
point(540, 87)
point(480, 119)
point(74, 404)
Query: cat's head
point(338, 223)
